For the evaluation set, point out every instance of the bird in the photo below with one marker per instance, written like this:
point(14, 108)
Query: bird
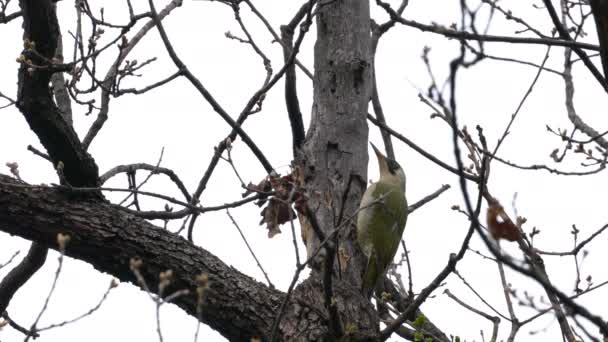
point(381, 220)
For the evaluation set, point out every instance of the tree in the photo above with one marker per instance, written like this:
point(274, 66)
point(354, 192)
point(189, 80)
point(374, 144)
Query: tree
point(323, 190)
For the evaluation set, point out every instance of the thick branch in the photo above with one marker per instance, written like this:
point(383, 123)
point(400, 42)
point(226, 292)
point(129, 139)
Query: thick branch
point(7, 18)
point(35, 101)
point(236, 305)
point(21, 273)
point(291, 94)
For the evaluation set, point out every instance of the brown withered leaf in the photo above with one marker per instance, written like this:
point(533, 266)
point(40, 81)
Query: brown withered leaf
point(263, 187)
point(275, 214)
point(277, 210)
point(500, 225)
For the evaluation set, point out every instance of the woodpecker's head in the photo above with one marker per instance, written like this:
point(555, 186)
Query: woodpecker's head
point(390, 170)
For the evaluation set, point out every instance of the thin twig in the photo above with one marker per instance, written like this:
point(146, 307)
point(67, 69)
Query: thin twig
point(494, 319)
point(515, 325)
point(455, 34)
point(532, 273)
point(418, 149)
point(207, 95)
point(113, 284)
point(10, 259)
point(466, 283)
point(579, 246)
point(249, 248)
point(53, 286)
point(523, 100)
point(427, 199)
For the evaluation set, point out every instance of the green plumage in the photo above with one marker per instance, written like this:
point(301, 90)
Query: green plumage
point(380, 224)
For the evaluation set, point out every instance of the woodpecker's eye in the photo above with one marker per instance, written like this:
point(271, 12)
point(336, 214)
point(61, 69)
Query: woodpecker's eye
point(393, 166)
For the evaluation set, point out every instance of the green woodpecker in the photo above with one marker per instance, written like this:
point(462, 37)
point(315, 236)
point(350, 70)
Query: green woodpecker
point(381, 219)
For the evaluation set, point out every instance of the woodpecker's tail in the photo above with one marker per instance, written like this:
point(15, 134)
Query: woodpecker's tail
point(370, 277)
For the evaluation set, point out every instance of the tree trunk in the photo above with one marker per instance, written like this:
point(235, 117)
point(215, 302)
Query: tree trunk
point(334, 157)
point(332, 163)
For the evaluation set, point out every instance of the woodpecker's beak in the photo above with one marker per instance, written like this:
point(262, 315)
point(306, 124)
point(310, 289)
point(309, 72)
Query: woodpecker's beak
point(377, 151)
point(381, 159)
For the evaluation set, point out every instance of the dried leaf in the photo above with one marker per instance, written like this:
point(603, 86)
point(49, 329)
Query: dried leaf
point(278, 209)
point(263, 186)
point(275, 214)
point(500, 225)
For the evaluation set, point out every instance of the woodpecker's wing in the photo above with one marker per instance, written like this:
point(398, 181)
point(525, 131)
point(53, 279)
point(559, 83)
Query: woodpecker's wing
point(371, 275)
point(364, 221)
point(380, 224)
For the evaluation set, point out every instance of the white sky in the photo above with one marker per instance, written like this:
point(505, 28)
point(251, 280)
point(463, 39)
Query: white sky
point(177, 118)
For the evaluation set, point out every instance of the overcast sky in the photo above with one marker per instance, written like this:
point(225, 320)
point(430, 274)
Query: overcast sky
point(177, 119)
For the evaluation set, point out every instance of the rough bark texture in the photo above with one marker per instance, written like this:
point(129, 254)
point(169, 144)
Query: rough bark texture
point(333, 160)
point(334, 157)
point(237, 306)
point(19, 275)
point(35, 99)
point(307, 318)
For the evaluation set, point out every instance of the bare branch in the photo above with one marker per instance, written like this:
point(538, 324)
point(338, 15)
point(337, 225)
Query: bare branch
point(7, 18)
point(19, 275)
point(236, 225)
point(203, 91)
point(113, 285)
point(451, 33)
point(427, 199)
point(494, 319)
point(563, 32)
point(420, 150)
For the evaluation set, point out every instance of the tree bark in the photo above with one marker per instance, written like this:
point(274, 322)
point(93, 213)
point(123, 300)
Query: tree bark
point(35, 99)
point(334, 156)
point(106, 237)
point(332, 163)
